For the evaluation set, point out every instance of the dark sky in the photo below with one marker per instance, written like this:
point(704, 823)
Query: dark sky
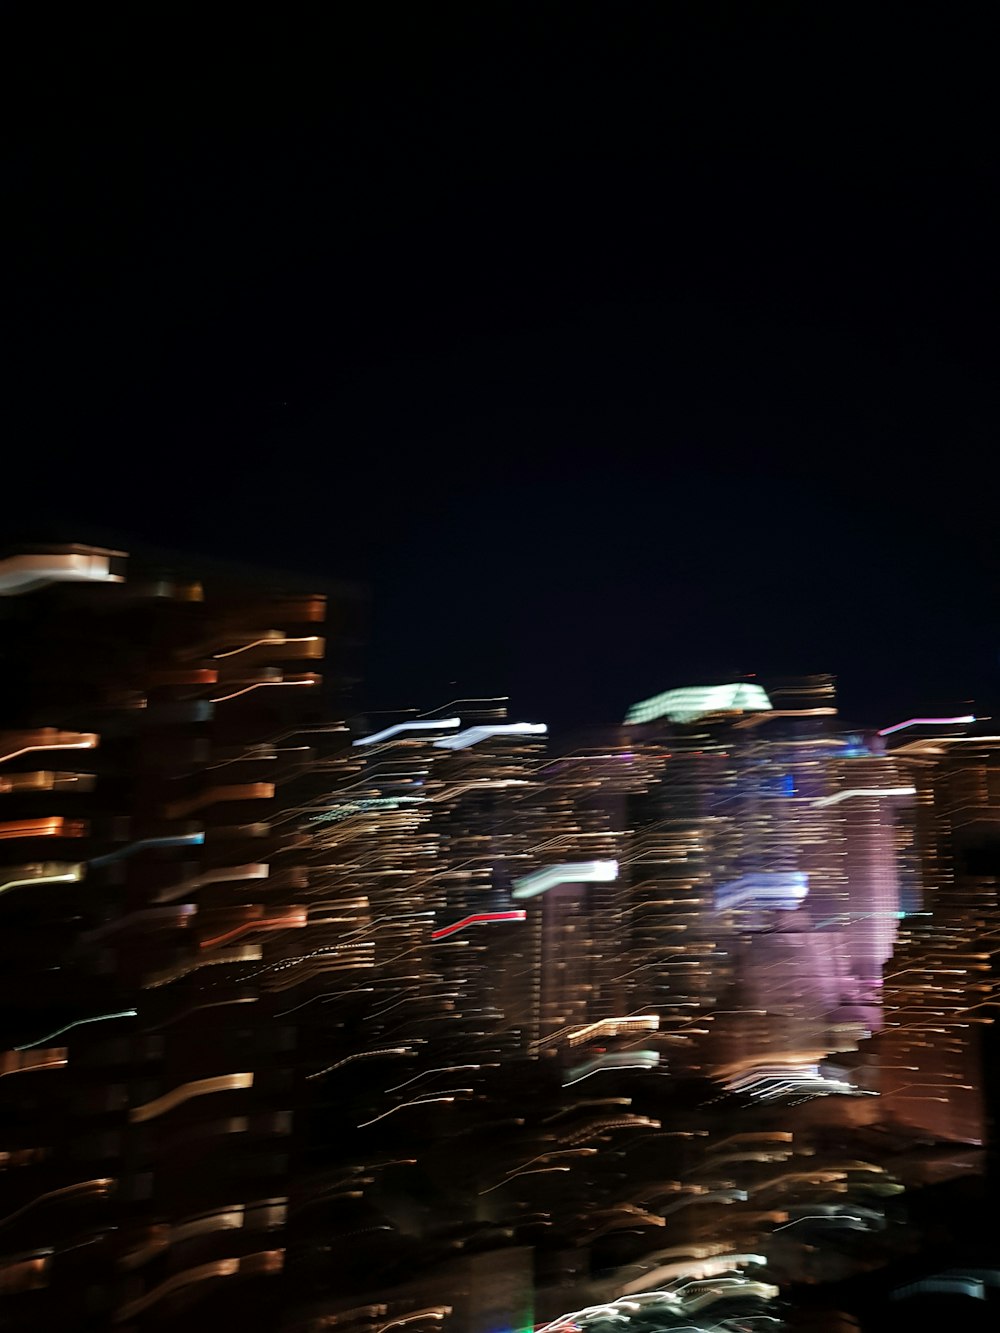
point(615, 346)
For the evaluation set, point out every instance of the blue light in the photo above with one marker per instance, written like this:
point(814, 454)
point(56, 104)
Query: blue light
point(177, 840)
point(765, 890)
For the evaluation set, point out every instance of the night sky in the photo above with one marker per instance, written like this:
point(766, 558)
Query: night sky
point(615, 347)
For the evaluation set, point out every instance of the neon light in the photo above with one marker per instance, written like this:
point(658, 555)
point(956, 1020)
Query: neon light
point(176, 840)
point(780, 890)
point(375, 737)
point(473, 735)
point(928, 722)
point(476, 919)
point(694, 701)
point(570, 872)
point(98, 1018)
point(862, 791)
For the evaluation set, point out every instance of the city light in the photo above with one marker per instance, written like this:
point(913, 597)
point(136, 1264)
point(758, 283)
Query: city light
point(463, 998)
point(473, 735)
point(695, 701)
point(964, 720)
point(582, 872)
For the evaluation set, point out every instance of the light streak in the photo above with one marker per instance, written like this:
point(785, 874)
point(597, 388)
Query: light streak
point(606, 1027)
point(325, 995)
point(483, 699)
point(361, 1055)
point(477, 918)
point(308, 679)
point(780, 890)
point(437, 1312)
point(10, 1059)
point(327, 949)
point(964, 720)
point(238, 791)
point(947, 1284)
point(417, 1101)
point(535, 1171)
point(275, 640)
point(441, 724)
point(439, 1069)
point(46, 781)
point(200, 1087)
point(88, 742)
point(578, 872)
point(294, 918)
point(699, 1271)
point(242, 953)
point(821, 1217)
point(614, 1060)
point(364, 805)
point(221, 874)
point(755, 1136)
point(473, 735)
point(420, 999)
point(101, 1184)
point(173, 840)
point(66, 874)
point(265, 1261)
point(98, 1018)
point(862, 791)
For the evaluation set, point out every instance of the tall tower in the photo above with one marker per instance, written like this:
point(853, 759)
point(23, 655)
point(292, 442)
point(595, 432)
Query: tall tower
point(160, 730)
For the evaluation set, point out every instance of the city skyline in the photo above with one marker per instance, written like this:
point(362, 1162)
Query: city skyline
point(499, 670)
point(423, 977)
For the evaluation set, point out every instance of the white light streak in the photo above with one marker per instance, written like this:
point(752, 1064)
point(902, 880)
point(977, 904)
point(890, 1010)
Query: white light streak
point(438, 724)
point(473, 735)
point(862, 791)
point(569, 872)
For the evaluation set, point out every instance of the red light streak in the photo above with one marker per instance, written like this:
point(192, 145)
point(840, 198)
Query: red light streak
point(476, 919)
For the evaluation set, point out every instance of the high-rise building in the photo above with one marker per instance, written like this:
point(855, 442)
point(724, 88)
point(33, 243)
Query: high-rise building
point(763, 867)
point(159, 731)
point(940, 983)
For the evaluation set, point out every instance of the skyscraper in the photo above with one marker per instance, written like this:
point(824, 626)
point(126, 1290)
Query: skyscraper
point(159, 730)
